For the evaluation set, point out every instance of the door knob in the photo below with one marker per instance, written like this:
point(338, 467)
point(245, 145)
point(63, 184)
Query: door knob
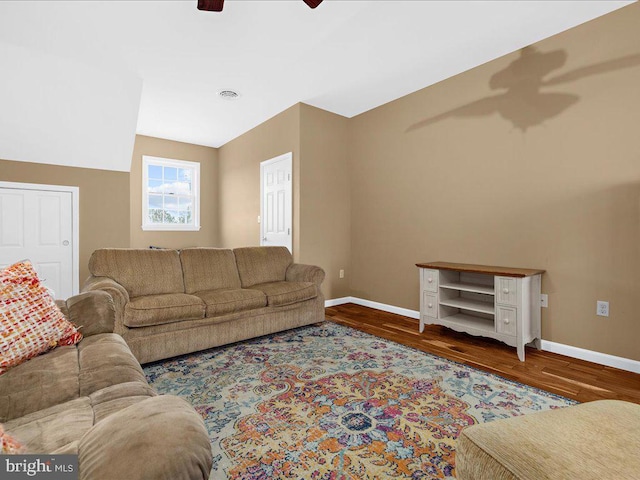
point(65, 243)
point(264, 239)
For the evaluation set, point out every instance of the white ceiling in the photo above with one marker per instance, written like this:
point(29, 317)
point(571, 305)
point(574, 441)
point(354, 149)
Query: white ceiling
point(345, 56)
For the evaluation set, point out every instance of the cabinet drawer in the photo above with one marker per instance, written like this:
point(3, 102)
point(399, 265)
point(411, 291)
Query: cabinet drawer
point(430, 280)
point(507, 291)
point(506, 320)
point(430, 305)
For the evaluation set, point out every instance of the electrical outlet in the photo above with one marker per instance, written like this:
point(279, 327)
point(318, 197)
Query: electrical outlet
point(544, 300)
point(341, 273)
point(602, 308)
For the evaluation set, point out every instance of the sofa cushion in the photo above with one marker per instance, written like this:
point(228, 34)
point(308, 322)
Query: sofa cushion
point(110, 400)
point(66, 373)
point(286, 293)
point(140, 271)
point(53, 428)
point(105, 360)
point(161, 438)
point(229, 300)
point(258, 265)
point(39, 383)
point(158, 309)
point(209, 269)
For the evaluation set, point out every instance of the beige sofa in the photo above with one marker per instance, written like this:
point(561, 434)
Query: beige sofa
point(171, 302)
point(92, 399)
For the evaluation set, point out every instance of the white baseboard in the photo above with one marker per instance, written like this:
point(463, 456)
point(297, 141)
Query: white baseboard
point(337, 301)
point(591, 356)
point(378, 306)
point(567, 350)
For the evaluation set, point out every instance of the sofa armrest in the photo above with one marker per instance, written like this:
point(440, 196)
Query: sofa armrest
point(62, 305)
point(298, 272)
point(92, 312)
point(159, 438)
point(117, 292)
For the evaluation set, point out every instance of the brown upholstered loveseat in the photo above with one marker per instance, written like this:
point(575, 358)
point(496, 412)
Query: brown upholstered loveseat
point(171, 302)
point(92, 399)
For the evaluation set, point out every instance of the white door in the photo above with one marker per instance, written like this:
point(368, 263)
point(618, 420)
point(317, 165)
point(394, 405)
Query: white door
point(38, 225)
point(276, 211)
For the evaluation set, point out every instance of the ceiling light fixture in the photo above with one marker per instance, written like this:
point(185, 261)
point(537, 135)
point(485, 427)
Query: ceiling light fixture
point(217, 5)
point(227, 94)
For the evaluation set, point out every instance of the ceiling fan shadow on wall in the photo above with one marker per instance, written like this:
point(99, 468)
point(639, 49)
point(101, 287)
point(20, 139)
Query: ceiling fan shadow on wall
point(216, 5)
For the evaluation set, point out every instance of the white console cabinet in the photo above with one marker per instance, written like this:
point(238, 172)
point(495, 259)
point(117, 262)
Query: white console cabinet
point(496, 302)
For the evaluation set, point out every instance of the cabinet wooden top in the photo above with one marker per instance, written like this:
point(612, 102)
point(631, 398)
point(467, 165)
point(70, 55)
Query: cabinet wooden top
point(487, 269)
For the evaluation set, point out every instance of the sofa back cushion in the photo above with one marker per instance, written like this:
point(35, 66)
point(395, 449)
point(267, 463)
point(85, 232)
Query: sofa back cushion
point(262, 264)
point(141, 271)
point(209, 269)
point(40, 383)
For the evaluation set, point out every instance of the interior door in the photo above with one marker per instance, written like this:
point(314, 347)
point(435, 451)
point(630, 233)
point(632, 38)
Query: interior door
point(38, 225)
point(276, 217)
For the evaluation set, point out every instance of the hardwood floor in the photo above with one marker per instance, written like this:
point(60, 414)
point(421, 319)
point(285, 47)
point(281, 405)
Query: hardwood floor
point(577, 379)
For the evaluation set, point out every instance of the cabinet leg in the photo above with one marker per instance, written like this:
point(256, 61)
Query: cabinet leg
point(421, 325)
point(521, 352)
point(537, 342)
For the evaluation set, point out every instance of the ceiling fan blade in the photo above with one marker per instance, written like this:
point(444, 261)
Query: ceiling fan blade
point(313, 3)
point(212, 5)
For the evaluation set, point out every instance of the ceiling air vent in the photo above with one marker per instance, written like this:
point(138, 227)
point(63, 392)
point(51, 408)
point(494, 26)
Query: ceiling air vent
point(228, 94)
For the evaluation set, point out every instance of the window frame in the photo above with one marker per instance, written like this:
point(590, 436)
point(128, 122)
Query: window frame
point(195, 189)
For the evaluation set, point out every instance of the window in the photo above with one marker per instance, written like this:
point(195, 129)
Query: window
point(170, 194)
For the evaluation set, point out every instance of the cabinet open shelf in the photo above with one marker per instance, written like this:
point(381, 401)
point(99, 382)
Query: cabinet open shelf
point(469, 287)
point(469, 304)
point(470, 322)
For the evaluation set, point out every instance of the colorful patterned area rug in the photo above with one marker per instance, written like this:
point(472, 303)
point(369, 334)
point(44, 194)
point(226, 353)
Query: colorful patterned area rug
point(330, 402)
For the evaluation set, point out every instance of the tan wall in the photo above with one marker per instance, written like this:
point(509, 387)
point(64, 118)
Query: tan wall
point(104, 202)
point(476, 186)
point(325, 217)
point(239, 171)
point(208, 236)
point(321, 230)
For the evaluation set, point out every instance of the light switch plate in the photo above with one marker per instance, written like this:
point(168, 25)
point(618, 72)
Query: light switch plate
point(544, 300)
